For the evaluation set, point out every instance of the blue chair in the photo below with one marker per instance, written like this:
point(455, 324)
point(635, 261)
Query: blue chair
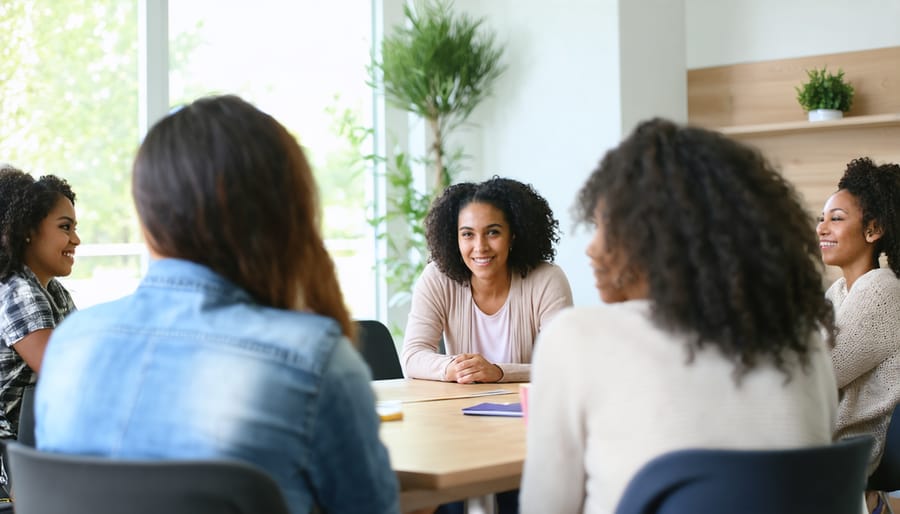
point(886, 477)
point(76, 484)
point(823, 479)
point(377, 348)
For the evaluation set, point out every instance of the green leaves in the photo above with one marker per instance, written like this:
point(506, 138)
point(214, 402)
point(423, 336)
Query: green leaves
point(441, 65)
point(825, 91)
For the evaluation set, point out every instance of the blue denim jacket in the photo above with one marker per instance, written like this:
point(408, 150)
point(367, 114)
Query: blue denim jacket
point(189, 367)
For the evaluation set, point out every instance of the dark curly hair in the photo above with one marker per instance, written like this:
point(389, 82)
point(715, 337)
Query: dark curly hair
point(877, 189)
point(729, 253)
point(530, 219)
point(24, 203)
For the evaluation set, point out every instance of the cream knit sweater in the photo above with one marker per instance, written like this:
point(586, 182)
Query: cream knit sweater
point(610, 390)
point(867, 355)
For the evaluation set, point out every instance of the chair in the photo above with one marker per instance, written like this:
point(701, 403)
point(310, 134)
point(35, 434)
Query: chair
point(25, 436)
point(26, 418)
point(378, 350)
point(886, 476)
point(822, 479)
point(75, 484)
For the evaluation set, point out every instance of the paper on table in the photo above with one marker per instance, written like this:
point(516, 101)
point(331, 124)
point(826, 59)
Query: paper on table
point(495, 409)
point(490, 393)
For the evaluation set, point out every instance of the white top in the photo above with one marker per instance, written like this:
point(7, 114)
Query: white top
point(610, 391)
point(491, 333)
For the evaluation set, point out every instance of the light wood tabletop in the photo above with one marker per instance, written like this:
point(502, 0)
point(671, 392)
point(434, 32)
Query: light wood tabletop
point(413, 390)
point(441, 455)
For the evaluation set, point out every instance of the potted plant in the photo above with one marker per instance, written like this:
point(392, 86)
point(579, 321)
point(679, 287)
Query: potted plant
point(439, 66)
point(825, 96)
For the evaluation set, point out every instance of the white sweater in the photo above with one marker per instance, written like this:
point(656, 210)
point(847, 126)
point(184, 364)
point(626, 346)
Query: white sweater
point(867, 355)
point(610, 391)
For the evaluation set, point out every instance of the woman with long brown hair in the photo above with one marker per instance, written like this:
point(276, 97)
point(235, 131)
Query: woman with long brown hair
point(237, 342)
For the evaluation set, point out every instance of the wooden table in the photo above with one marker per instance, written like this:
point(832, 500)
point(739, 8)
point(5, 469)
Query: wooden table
point(441, 455)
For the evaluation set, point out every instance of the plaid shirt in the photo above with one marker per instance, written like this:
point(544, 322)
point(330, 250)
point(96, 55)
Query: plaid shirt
point(25, 306)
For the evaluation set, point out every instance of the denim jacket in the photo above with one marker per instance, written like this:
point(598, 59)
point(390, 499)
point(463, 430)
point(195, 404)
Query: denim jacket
point(190, 367)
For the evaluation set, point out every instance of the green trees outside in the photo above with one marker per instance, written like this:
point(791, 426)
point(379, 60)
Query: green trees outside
point(69, 107)
point(68, 77)
point(69, 90)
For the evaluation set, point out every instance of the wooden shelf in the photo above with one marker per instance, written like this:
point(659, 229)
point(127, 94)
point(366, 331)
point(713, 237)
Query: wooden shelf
point(765, 129)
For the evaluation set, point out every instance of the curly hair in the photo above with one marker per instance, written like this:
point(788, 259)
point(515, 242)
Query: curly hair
point(877, 189)
point(24, 203)
point(729, 252)
point(530, 219)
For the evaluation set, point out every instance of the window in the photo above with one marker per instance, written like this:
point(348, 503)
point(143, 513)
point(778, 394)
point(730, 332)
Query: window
point(304, 62)
point(68, 72)
point(69, 76)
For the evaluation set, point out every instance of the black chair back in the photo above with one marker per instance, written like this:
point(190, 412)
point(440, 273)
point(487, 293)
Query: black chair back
point(377, 348)
point(823, 479)
point(887, 475)
point(26, 418)
point(51, 482)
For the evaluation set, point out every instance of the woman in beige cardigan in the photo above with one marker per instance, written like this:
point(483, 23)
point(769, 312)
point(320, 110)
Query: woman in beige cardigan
point(860, 222)
point(490, 286)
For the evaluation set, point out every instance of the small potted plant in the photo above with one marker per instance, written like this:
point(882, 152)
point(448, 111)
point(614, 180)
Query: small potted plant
point(825, 96)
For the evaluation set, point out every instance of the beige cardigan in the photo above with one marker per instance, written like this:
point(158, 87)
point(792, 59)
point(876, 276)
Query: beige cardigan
point(866, 355)
point(442, 306)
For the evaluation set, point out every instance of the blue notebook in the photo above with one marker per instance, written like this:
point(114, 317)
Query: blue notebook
point(495, 409)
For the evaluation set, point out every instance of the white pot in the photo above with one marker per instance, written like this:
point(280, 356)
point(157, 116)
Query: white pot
point(825, 114)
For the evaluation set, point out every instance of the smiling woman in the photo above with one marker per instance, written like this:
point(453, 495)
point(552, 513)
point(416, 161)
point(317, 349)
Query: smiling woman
point(859, 223)
point(490, 286)
point(37, 244)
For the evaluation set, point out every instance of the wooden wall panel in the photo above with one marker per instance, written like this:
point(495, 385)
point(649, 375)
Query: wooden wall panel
point(814, 162)
point(763, 92)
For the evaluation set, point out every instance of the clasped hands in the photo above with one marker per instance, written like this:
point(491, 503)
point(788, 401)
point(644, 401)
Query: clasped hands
point(468, 368)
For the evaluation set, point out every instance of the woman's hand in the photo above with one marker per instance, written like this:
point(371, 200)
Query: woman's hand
point(468, 368)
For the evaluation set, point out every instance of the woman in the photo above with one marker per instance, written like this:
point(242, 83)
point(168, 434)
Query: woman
point(37, 244)
point(859, 223)
point(237, 342)
point(711, 336)
point(490, 286)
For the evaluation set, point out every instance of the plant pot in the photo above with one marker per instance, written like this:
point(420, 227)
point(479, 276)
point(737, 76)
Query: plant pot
point(825, 114)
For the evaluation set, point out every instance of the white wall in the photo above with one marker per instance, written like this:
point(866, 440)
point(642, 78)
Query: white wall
point(555, 111)
point(652, 61)
point(723, 32)
point(581, 73)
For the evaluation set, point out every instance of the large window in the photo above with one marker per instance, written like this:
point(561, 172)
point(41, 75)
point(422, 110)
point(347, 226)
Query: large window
point(305, 63)
point(69, 105)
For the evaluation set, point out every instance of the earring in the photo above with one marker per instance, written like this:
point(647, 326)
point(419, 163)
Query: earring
point(27, 240)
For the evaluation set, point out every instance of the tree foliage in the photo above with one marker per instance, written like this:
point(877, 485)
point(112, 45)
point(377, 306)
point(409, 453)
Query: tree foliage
point(439, 66)
point(68, 72)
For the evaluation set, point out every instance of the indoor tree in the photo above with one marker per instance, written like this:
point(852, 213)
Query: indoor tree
point(439, 66)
